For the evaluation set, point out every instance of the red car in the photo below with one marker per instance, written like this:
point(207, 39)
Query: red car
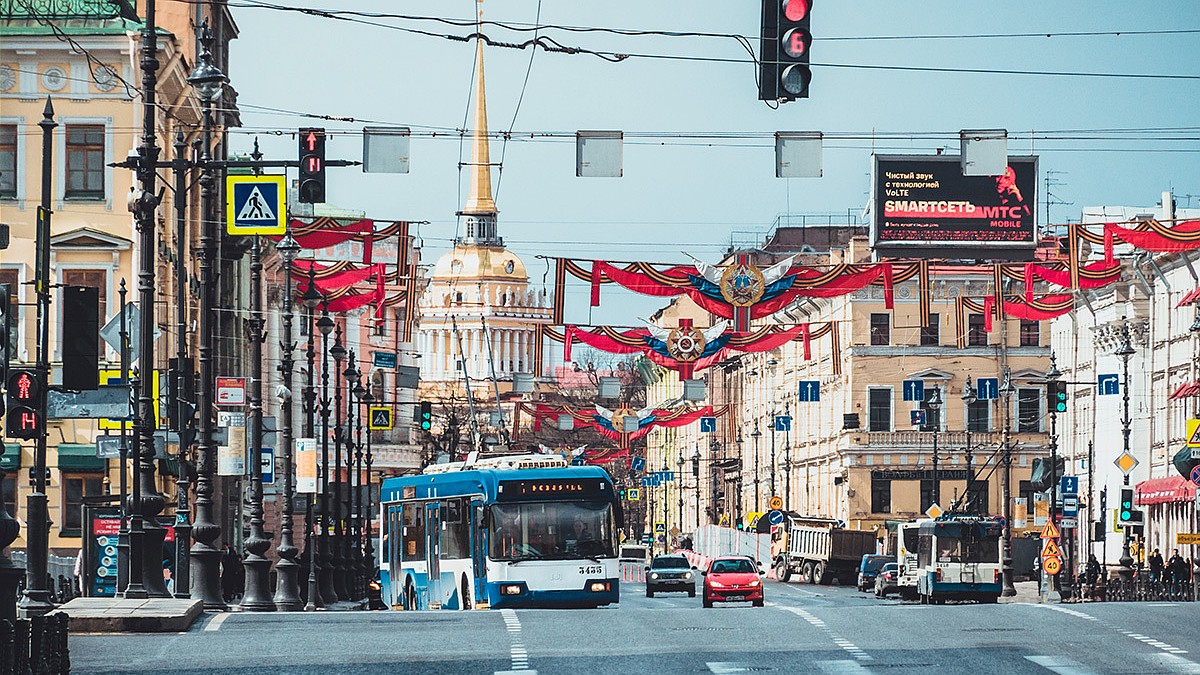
point(732, 579)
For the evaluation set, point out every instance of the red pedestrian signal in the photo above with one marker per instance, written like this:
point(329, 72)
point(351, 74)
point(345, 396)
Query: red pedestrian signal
point(784, 73)
point(23, 396)
point(312, 166)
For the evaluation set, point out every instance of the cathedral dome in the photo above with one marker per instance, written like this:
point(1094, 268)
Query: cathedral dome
point(493, 263)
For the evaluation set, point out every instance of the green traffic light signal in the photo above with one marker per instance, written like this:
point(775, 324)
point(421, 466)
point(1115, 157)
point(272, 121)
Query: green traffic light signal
point(1060, 403)
point(426, 416)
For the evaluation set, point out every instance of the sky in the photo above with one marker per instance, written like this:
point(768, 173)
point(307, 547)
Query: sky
point(682, 194)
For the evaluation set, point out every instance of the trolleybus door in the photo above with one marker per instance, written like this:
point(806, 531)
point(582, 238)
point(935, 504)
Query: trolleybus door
point(478, 547)
point(433, 530)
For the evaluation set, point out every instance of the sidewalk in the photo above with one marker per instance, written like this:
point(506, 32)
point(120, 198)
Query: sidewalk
point(119, 615)
point(1027, 592)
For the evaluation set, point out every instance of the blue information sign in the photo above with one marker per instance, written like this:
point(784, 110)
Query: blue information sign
point(783, 423)
point(708, 425)
point(914, 390)
point(917, 417)
point(384, 359)
point(1108, 384)
point(637, 464)
point(987, 388)
point(810, 391)
point(1068, 485)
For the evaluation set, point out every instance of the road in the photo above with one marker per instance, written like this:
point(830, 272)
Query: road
point(802, 629)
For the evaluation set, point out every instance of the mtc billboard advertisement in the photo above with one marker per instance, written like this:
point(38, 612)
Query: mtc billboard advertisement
point(923, 206)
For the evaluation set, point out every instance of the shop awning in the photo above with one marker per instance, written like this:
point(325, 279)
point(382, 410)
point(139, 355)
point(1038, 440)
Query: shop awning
point(1189, 298)
point(1165, 490)
point(1184, 390)
point(79, 457)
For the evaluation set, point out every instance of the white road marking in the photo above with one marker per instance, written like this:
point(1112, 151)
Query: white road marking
point(840, 667)
point(216, 622)
point(1061, 665)
point(838, 640)
point(726, 667)
point(1172, 651)
point(1172, 663)
point(517, 653)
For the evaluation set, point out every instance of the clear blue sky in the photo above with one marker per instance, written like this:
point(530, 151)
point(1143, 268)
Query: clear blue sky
point(688, 195)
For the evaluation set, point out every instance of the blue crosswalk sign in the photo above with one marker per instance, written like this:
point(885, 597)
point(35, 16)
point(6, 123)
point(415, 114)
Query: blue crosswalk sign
point(708, 425)
point(987, 388)
point(256, 205)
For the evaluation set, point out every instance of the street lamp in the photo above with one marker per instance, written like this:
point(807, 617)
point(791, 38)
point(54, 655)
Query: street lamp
point(367, 559)
point(338, 352)
point(209, 82)
point(969, 397)
point(679, 486)
point(328, 594)
point(311, 298)
point(1006, 391)
point(756, 434)
point(287, 591)
point(1051, 376)
point(933, 404)
point(738, 506)
point(1125, 352)
point(353, 438)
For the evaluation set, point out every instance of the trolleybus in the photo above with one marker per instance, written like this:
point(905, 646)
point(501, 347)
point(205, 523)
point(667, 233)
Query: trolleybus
point(520, 531)
point(958, 558)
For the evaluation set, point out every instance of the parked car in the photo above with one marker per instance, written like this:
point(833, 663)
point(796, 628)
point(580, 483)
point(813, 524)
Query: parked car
point(634, 553)
point(733, 579)
point(670, 573)
point(869, 568)
point(888, 580)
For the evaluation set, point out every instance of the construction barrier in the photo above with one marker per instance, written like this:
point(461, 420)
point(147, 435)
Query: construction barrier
point(633, 572)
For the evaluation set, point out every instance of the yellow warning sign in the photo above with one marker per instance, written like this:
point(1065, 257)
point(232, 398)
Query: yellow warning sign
point(1049, 531)
point(1193, 433)
point(1053, 566)
point(1051, 550)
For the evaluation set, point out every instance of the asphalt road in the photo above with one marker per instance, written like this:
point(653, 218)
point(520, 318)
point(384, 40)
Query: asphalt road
point(803, 629)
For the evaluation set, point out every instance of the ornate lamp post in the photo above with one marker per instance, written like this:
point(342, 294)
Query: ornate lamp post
point(328, 594)
point(933, 404)
point(209, 82)
point(1051, 376)
point(287, 591)
point(367, 558)
point(679, 486)
point(969, 397)
point(738, 506)
point(338, 561)
point(311, 299)
point(1006, 391)
point(1125, 352)
point(756, 434)
point(353, 438)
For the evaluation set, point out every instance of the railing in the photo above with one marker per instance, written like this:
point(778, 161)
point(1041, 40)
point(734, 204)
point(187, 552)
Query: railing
point(947, 440)
point(59, 9)
point(1137, 590)
point(35, 647)
point(60, 577)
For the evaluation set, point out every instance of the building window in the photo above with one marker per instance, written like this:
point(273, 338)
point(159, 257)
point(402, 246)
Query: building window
point(11, 278)
point(931, 335)
point(1029, 410)
point(881, 329)
point(879, 409)
point(74, 488)
point(1031, 333)
point(85, 161)
point(979, 416)
point(976, 335)
point(977, 497)
point(926, 494)
point(881, 495)
point(933, 416)
point(8, 161)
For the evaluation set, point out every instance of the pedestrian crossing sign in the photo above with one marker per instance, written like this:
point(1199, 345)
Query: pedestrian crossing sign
point(380, 418)
point(255, 205)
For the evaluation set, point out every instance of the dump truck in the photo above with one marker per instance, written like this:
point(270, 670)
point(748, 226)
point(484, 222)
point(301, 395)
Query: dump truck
point(818, 550)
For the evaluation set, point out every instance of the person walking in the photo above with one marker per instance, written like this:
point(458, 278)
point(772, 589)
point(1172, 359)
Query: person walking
point(1155, 560)
point(1178, 569)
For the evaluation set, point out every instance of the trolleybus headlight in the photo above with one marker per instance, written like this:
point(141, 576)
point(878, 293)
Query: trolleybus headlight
point(510, 589)
point(598, 586)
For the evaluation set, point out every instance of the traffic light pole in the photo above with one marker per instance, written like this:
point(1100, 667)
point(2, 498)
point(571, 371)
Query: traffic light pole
point(1125, 352)
point(36, 600)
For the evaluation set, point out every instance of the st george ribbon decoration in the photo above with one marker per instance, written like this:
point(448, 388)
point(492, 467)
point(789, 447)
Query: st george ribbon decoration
point(612, 423)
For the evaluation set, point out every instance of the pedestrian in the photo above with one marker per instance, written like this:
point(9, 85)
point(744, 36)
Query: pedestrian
point(1178, 568)
point(78, 580)
point(231, 565)
point(1156, 566)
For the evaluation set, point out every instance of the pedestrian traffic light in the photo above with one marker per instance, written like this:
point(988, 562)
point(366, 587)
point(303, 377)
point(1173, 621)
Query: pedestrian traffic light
point(622, 494)
point(1056, 396)
point(784, 72)
point(426, 416)
point(1125, 513)
point(22, 396)
point(312, 166)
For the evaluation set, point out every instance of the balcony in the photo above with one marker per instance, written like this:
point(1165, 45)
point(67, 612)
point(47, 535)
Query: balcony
point(60, 9)
point(947, 440)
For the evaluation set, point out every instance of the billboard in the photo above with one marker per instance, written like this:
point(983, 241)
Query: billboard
point(923, 206)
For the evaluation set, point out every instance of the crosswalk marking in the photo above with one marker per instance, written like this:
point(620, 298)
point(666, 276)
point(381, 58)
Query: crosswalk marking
point(1060, 664)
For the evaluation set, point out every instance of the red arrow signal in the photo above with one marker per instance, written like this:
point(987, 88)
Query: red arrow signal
point(311, 141)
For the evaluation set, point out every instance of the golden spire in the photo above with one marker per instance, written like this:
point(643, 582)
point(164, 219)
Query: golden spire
point(479, 200)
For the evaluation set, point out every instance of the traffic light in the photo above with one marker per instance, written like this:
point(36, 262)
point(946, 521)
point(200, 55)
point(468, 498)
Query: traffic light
point(1056, 396)
point(312, 166)
point(23, 394)
point(1125, 513)
point(426, 416)
point(622, 494)
point(784, 72)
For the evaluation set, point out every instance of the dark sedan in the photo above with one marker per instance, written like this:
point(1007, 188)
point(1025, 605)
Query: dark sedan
point(670, 573)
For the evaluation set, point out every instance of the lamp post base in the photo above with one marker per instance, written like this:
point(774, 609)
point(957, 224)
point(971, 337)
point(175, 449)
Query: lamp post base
point(256, 597)
point(287, 592)
point(206, 577)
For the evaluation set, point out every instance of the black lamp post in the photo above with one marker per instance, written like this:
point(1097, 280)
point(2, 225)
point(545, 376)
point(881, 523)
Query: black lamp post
point(287, 590)
point(969, 397)
point(205, 558)
point(1125, 352)
point(311, 298)
point(679, 486)
point(756, 434)
point(356, 496)
point(351, 437)
point(367, 558)
point(328, 594)
point(338, 560)
point(741, 471)
point(1051, 376)
point(1006, 391)
point(933, 405)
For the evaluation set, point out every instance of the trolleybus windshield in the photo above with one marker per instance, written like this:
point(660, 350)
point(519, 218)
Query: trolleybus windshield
point(552, 531)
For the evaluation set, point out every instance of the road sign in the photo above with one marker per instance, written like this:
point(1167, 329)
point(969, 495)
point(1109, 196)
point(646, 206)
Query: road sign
point(637, 464)
point(1068, 523)
point(775, 517)
point(306, 465)
point(987, 388)
point(1052, 565)
point(1193, 433)
point(111, 332)
point(1196, 475)
point(1049, 531)
point(917, 418)
point(1187, 539)
point(914, 390)
point(384, 359)
point(783, 423)
point(1108, 384)
point(708, 425)
point(810, 391)
point(255, 205)
point(633, 494)
point(1070, 506)
point(1051, 549)
point(666, 476)
point(103, 403)
point(231, 391)
point(776, 503)
point(1126, 462)
point(231, 419)
point(1068, 485)
point(380, 418)
point(660, 528)
point(267, 461)
point(933, 511)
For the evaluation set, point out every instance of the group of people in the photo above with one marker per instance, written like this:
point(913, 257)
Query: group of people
point(1176, 570)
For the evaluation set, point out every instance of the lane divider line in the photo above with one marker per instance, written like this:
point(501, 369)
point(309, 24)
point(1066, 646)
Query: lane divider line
point(216, 622)
point(517, 652)
point(849, 647)
point(1153, 642)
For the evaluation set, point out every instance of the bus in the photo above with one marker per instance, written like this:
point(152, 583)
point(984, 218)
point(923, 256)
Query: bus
point(518, 531)
point(906, 556)
point(958, 558)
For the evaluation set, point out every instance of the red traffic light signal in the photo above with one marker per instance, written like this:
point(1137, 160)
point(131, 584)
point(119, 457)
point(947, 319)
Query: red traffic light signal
point(23, 395)
point(786, 37)
point(312, 165)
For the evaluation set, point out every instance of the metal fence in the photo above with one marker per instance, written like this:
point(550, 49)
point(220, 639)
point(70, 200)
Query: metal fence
point(1137, 590)
point(35, 647)
point(60, 574)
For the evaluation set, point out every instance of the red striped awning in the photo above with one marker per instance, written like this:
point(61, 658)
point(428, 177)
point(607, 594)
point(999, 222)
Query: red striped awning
point(1167, 490)
point(1189, 298)
point(1185, 390)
